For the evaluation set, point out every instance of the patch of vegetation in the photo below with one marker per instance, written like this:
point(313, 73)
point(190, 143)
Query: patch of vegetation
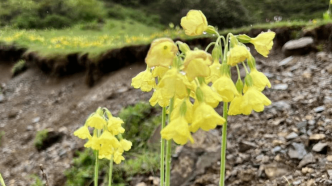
point(2, 133)
point(37, 180)
point(140, 122)
point(19, 67)
point(40, 137)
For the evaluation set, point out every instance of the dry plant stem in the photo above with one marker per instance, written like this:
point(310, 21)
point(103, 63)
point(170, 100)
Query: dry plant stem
point(96, 168)
point(162, 149)
point(44, 175)
point(169, 148)
point(2, 181)
point(110, 172)
point(223, 147)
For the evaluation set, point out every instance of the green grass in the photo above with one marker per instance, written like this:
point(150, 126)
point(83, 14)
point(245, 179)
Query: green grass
point(37, 180)
point(19, 67)
point(40, 137)
point(93, 37)
point(2, 133)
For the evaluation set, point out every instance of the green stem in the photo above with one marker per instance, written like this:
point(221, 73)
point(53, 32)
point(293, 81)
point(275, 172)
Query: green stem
point(2, 181)
point(226, 48)
point(110, 172)
point(96, 168)
point(162, 149)
point(245, 67)
point(223, 147)
point(169, 148)
point(238, 72)
point(207, 48)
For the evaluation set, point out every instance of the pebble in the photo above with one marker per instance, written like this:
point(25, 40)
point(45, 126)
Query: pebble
point(276, 149)
point(286, 61)
point(291, 136)
point(307, 159)
point(319, 109)
point(329, 172)
point(2, 98)
point(319, 147)
point(297, 152)
point(36, 120)
point(298, 182)
point(280, 87)
point(329, 158)
point(317, 137)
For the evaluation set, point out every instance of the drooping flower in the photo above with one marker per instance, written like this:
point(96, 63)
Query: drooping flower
point(125, 145)
point(144, 80)
point(108, 139)
point(161, 53)
point(196, 64)
point(194, 23)
point(117, 158)
point(235, 106)
point(159, 71)
point(96, 121)
point(114, 125)
point(93, 143)
point(178, 105)
point(260, 81)
point(226, 88)
point(211, 97)
point(205, 117)
point(255, 100)
point(173, 84)
point(178, 130)
point(83, 133)
point(215, 72)
point(158, 98)
point(237, 54)
point(263, 42)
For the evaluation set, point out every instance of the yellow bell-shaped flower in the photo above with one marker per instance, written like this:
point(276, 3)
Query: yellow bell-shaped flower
point(255, 100)
point(125, 145)
point(177, 109)
point(205, 117)
point(211, 97)
point(196, 64)
point(106, 151)
point(263, 42)
point(117, 158)
point(96, 121)
point(235, 106)
point(114, 125)
point(108, 139)
point(178, 130)
point(226, 88)
point(93, 143)
point(159, 71)
point(83, 133)
point(144, 80)
point(173, 84)
point(161, 53)
point(237, 54)
point(260, 81)
point(215, 72)
point(194, 23)
point(158, 98)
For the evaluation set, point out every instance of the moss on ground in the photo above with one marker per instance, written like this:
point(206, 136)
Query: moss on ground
point(40, 137)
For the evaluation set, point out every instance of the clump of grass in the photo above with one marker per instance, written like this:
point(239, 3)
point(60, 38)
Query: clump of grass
point(40, 138)
point(37, 180)
point(19, 67)
point(2, 133)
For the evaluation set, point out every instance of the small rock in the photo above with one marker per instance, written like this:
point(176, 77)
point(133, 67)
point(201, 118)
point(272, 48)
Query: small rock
point(273, 171)
point(306, 170)
point(297, 182)
point(311, 183)
point(13, 113)
point(302, 124)
point(329, 69)
point(329, 172)
point(298, 47)
point(36, 120)
point(319, 147)
point(155, 180)
point(291, 136)
point(297, 152)
point(29, 128)
point(281, 105)
point(2, 98)
point(312, 122)
point(141, 184)
point(329, 158)
point(307, 159)
point(280, 87)
point(245, 145)
point(276, 149)
point(317, 137)
point(319, 109)
point(286, 61)
point(122, 90)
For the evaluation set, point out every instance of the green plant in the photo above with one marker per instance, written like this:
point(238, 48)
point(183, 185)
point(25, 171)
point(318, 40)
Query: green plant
point(19, 67)
point(2, 182)
point(40, 137)
point(2, 133)
point(37, 182)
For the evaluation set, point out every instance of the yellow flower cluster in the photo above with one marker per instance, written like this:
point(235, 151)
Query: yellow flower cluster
point(106, 138)
point(179, 76)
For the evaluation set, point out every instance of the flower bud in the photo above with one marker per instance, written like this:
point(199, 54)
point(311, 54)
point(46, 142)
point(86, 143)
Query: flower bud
point(211, 30)
point(251, 62)
point(243, 38)
point(216, 53)
point(248, 80)
point(183, 47)
point(199, 94)
point(239, 85)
